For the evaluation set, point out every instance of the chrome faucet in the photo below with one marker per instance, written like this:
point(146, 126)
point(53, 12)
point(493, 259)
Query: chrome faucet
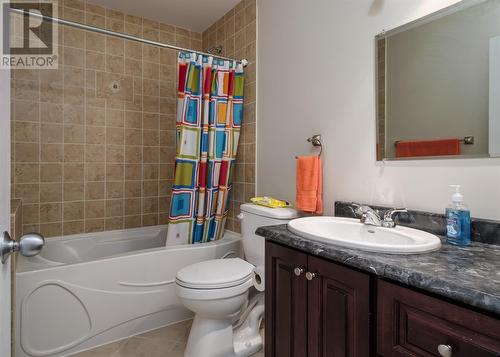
point(388, 221)
point(370, 217)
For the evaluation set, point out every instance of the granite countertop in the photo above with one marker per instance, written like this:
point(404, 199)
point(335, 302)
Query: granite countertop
point(469, 275)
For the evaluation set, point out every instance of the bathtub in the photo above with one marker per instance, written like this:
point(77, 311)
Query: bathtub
point(87, 290)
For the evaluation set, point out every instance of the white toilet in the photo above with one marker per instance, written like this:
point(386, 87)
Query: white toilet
point(226, 323)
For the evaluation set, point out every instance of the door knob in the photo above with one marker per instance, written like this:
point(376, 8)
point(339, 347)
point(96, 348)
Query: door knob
point(298, 271)
point(444, 350)
point(310, 276)
point(29, 245)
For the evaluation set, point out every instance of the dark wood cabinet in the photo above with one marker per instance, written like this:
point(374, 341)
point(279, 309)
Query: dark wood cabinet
point(338, 311)
point(314, 308)
point(414, 324)
point(286, 302)
point(317, 308)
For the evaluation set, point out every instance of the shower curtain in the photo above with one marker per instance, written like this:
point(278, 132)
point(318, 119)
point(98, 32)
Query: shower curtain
point(209, 118)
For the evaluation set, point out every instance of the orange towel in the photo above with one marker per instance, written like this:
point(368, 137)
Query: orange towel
point(428, 148)
point(309, 197)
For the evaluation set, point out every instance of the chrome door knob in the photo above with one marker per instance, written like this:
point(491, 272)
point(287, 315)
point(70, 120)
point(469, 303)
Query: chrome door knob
point(310, 276)
point(29, 245)
point(298, 271)
point(444, 350)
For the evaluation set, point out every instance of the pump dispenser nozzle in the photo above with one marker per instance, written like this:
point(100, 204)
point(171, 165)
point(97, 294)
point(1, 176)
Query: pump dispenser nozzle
point(457, 196)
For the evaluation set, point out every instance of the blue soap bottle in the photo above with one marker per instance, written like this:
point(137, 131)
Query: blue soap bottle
point(457, 220)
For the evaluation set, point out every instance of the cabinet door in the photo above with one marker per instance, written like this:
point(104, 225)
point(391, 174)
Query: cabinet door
point(414, 324)
point(338, 311)
point(286, 302)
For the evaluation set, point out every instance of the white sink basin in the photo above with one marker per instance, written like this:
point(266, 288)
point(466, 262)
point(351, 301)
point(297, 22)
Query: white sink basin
point(350, 233)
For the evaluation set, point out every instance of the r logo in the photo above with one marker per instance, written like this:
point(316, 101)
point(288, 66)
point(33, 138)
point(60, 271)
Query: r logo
point(32, 35)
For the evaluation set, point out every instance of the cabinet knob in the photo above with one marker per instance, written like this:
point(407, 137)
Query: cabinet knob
point(444, 350)
point(298, 271)
point(310, 276)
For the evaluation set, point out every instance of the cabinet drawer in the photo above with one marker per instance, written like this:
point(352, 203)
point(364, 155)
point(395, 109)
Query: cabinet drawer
point(414, 324)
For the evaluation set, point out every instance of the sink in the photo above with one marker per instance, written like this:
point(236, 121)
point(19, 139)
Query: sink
point(350, 233)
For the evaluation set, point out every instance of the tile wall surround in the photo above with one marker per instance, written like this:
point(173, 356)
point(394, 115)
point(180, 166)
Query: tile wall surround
point(236, 33)
point(93, 142)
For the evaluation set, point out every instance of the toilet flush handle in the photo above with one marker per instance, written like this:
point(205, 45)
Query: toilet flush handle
point(240, 216)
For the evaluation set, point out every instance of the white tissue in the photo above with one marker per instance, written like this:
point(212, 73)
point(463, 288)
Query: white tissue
point(259, 281)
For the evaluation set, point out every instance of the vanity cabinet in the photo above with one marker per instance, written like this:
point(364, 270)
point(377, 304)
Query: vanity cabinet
point(414, 324)
point(314, 308)
point(286, 302)
point(317, 308)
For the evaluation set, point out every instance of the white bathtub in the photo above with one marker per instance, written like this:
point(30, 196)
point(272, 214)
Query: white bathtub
point(87, 290)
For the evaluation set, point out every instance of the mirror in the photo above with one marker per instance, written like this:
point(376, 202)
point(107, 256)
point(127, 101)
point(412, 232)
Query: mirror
point(438, 85)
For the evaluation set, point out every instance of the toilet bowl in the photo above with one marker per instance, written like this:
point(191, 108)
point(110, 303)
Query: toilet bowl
point(226, 322)
point(215, 290)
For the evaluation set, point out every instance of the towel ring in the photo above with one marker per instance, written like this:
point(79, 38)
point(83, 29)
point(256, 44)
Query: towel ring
point(316, 141)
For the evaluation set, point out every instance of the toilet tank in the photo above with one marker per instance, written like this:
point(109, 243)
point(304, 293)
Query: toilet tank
point(254, 216)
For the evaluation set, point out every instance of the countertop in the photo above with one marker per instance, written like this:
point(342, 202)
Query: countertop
point(470, 275)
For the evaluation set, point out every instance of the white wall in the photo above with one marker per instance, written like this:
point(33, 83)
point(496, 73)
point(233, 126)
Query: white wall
point(317, 75)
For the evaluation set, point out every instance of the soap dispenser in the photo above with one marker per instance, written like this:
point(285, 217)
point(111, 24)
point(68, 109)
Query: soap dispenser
point(457, 220)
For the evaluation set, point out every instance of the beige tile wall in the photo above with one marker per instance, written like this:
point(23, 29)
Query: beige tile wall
point(94, 141)
point(236, 32)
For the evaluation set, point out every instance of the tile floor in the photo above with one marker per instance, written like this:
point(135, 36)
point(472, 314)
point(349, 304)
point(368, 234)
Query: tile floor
point(168, 341)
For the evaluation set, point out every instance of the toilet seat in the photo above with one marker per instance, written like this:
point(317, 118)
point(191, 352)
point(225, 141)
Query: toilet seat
point(215, 274)
point(213, 294)
point(214, 279)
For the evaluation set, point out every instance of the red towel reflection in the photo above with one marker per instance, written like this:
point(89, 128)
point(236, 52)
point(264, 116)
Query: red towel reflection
point(428, 148)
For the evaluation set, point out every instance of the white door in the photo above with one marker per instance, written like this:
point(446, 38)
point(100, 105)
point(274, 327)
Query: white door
point(4, 205)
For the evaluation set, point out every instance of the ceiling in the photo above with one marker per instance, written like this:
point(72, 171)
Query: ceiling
point(195, 15)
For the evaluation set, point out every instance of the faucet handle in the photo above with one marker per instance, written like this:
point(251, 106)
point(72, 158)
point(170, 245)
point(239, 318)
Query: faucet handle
point(390, 213)
point(368, 215)
point(355, 208)
point(361, 210)
point(365, 209)
point(388, 221)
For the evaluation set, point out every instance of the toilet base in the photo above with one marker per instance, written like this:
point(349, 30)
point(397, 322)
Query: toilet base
point(210, 338)
point(247, 339)
point(218, 338)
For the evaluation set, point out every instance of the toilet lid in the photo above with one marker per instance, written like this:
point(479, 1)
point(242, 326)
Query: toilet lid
point(215, 274)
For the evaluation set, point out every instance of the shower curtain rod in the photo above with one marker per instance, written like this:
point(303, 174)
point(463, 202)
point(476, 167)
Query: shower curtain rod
point(78, 25)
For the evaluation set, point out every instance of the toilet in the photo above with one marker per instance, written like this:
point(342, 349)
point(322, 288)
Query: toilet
point(227, 320)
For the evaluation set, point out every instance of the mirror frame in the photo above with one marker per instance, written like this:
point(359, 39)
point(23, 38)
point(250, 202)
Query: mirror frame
point(380, 86)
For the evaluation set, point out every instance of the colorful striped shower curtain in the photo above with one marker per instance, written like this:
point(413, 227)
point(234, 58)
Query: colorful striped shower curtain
point(209, 117)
